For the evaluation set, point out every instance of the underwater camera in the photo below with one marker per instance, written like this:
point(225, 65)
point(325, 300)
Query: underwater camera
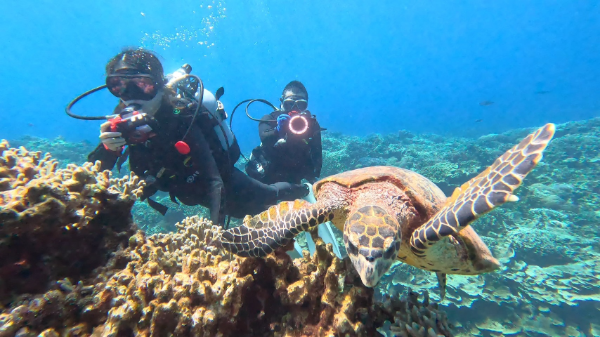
point(132, 124)
point(298, 124)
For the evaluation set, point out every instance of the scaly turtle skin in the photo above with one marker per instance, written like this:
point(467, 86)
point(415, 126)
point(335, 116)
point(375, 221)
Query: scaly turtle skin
point(389, 213)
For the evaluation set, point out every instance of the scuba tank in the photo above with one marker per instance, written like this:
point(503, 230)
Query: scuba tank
point(216, 113)
point(187, 95)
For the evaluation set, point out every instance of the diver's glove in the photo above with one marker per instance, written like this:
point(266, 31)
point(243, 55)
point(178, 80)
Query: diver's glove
point(282, 122)
point(301, 190)
point(111, 140)
point(288, 192)
point(280, 143)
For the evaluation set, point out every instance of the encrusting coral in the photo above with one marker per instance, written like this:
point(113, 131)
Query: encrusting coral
point(183, 284)
point(57, 223)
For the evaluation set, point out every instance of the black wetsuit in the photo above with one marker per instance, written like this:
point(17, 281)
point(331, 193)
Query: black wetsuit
point(300, 157)
point(206, 176)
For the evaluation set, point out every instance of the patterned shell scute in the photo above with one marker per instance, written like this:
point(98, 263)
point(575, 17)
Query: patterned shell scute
point(419, 188)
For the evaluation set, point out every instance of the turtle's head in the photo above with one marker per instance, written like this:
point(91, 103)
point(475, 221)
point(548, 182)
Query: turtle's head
point(372, 238)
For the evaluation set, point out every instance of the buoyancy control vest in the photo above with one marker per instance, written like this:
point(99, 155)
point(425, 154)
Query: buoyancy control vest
point(178, 168)
point(215, 116)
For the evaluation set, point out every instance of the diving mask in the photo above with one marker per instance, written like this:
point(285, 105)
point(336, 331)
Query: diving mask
point(138, 86)
point(289, 104)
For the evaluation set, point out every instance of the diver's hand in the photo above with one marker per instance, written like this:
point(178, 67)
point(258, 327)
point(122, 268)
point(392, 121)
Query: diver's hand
point(111, 140)
point(282, 122)
point(280, 144)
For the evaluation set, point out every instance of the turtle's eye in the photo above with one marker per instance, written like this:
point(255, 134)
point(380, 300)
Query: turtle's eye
point(350, 247)
point(392, 250)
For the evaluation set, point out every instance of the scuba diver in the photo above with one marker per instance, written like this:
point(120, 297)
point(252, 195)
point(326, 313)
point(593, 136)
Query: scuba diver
point(173, 133)
point(291, 141)
point(290, 151)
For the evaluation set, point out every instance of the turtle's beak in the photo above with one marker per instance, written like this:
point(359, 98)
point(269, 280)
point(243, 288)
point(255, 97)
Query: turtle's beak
point(372, 240)
point(370, 270)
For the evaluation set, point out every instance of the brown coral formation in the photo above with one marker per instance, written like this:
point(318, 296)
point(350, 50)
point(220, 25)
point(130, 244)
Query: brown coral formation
point(57, 223)
point(69, 266)
point(183, 284)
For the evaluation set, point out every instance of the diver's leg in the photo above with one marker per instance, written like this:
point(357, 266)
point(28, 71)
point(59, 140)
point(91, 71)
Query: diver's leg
point(325, 231)
point(208, 194)
point(248, 196)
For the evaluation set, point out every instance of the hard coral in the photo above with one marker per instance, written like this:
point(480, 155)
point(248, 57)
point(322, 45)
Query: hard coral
point(57, 223)
point(183, 284)
point(414, 318)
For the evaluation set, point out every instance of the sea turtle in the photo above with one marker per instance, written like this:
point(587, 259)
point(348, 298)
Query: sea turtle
point(389, 213)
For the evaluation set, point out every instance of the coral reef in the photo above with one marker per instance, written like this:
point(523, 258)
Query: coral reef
point(152, 222)
point(413, 318)
point(57, 223)
point(183, 284)
point(63, 152)
point(547, 241)
point(204, 292)
point(66, 153)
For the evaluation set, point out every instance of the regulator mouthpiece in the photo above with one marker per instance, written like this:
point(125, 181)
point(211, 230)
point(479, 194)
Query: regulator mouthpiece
point(298, 125)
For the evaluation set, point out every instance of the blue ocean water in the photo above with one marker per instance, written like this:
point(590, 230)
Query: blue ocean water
point(368, 66)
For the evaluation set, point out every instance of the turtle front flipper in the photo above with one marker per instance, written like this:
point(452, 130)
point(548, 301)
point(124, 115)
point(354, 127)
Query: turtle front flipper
point(491, 188)
point(263, 233)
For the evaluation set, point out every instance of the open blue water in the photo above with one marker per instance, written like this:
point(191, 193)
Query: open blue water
point(423, 66)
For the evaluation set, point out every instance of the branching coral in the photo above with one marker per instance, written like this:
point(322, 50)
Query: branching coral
point(57, 222)
point(412, 318)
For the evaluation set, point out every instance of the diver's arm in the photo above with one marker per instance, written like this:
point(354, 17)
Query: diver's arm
point(202, 155)
point(107, 158)
point(267, 131)
point(316, 149)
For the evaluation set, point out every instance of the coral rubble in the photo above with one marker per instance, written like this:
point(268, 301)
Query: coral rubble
point(57, 223)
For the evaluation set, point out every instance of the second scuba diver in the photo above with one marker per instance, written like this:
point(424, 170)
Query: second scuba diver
point(291, 151)
point(177, 146)
point(291, 141)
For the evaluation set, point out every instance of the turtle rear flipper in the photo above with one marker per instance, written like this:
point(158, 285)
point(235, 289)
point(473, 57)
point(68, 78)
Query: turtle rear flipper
point(491, 188)
point(442, 278)
point(263, 233)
